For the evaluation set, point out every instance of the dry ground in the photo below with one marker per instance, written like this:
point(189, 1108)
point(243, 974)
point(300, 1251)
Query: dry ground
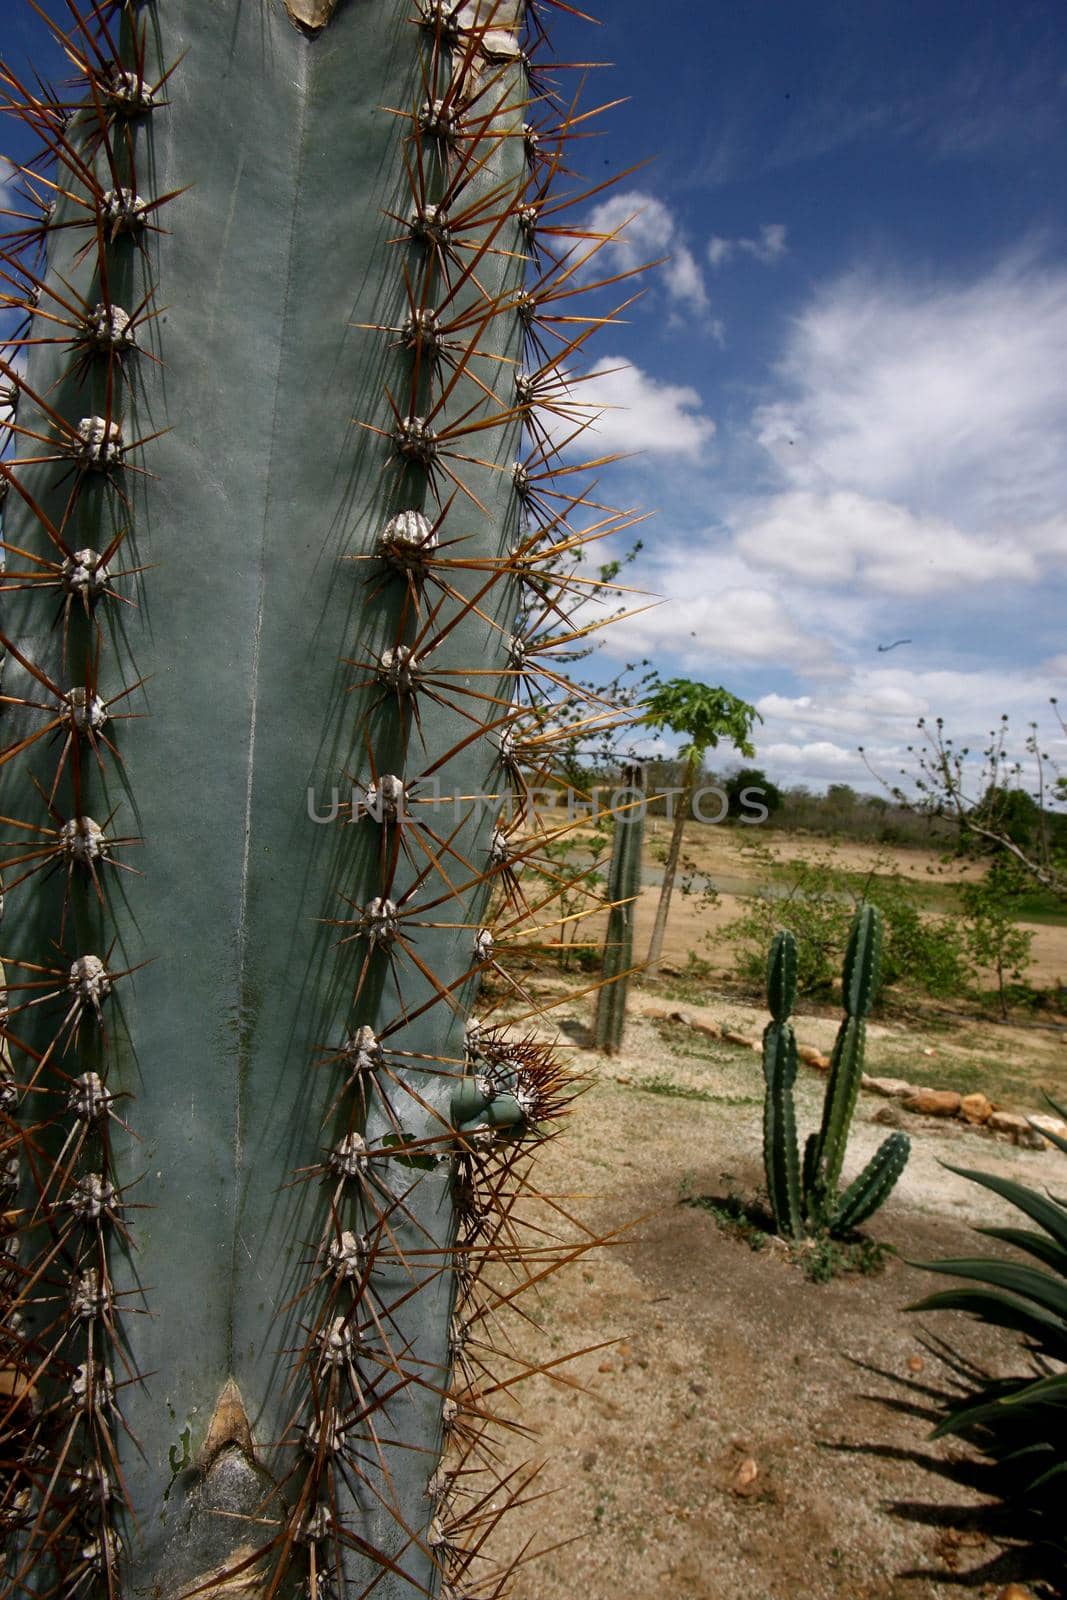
point(721, 853)
point(726, 1356)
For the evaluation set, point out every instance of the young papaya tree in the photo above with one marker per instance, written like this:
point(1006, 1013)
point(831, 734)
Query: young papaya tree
point(704, 715)
point(290, 290)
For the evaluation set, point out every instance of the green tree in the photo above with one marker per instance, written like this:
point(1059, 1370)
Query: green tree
point(1004, 801)
point(704, 715)
point(764, 793)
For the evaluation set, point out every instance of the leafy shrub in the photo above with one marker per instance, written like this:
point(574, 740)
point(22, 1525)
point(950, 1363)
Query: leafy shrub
point(817, 900)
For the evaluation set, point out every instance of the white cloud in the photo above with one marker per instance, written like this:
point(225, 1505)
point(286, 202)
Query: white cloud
point(639, 413)
point(769, 247)
point(843, 537)
point(918, 435)
point(713, 611)
point(817, 738)
point(946, 398)
point(646, 229)
point(879, 708)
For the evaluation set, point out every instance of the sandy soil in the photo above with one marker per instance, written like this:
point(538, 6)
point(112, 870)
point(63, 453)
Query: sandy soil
point(726, 1356)
point(724, 853)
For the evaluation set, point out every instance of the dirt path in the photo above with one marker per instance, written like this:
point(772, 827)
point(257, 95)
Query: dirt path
point(728, 1356)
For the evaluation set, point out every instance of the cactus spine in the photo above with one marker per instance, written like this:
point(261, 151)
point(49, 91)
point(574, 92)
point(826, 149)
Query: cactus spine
point(624, 885)
point(809, 1202)
point(281, 513)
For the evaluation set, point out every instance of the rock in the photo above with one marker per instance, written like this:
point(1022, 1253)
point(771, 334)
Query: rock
point(888, 1116)
point(1017, 1128)
point(891, 1088)
point(588, 1460)
point(813, 1057)
point(934, 1103)
point(916, 1363)
point(930, 1050)
point(976, 1109)
point(744, 1482)
point(1046, 1124)
point(606, 1366)
point(699, 1389)
point(710, 1030)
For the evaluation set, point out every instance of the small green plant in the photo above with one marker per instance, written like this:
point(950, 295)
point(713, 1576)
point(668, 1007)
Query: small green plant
point(732, 1216)
point(995, 943)
point(827, 1258)
point(806, 1200)
point(1018, 1422)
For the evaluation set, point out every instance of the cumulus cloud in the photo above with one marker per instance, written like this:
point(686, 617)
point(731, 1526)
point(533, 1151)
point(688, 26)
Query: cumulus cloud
point(637, 412)
point(918, 434)
point(767, 248)
point(946, 397)
point(817, 738)
point(712, 612)
point(645, 229)
point(879, 708)
point(844, 537)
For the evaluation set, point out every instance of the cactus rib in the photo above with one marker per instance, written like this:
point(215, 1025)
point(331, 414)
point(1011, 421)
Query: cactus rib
point(321, 490)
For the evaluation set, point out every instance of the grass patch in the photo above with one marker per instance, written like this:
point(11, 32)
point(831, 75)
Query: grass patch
point(685, 1091)
point(690, 1042)
point(820, 1259)
point(1010, 1081)
point(825, 1258)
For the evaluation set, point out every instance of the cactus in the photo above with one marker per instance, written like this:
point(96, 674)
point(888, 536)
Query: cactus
point(809, 1202)
point(624, 884)
point(867, 1192)
point(858, 984)
point(780, 1071)
point(280, 513)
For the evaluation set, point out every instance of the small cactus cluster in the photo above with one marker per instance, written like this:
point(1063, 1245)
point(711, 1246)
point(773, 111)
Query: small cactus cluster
point(805, 1199)
point(289, 500)
point(624, 885)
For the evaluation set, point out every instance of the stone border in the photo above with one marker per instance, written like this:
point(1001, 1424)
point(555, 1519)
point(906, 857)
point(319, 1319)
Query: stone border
point(974, 1110)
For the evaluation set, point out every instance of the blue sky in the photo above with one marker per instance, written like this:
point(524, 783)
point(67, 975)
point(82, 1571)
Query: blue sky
point(847, 386)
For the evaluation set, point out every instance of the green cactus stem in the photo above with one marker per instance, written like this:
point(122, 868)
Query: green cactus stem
point(859, 983)
point(624, 885)
point(280, 517)
point(867, 1192)
point(808, 1202)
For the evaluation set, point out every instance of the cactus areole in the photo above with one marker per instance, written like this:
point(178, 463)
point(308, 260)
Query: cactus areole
point(270, 507)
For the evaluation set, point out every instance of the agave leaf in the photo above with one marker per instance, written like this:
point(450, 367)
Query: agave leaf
point(1046, 1477)
point(1011, 1275)
point(1034, 1243)
point(1003, 1310)
point(1048, 1133)
point(1047, 1212)
point(1018, 1397)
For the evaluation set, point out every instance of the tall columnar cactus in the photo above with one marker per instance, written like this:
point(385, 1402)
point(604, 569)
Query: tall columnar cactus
point(780, 1071)
point(294, 289)
point(809, 1201)
point(624, 885)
